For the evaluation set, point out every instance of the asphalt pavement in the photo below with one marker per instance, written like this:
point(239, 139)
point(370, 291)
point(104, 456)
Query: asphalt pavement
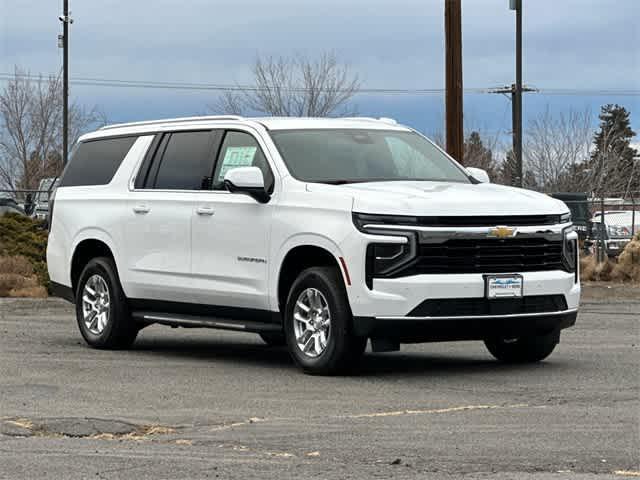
point(212, 404)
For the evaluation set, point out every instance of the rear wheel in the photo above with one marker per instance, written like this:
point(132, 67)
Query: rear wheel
point(318, 323)
point(101, 307)
point(529, 349)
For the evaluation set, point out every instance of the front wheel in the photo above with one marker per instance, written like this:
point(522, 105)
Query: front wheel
point(318, 323)
point(528, 349)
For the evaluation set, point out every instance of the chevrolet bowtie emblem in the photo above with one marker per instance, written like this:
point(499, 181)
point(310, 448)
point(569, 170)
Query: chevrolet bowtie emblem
point(502, 232)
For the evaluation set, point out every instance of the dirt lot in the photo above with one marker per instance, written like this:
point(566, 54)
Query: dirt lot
point(208, 404)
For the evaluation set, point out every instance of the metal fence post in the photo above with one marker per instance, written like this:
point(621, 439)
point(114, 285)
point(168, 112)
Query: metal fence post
point(633, 216)
point(601, 233)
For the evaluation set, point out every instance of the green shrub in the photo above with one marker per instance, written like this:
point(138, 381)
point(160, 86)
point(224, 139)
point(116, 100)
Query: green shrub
point(20, 235)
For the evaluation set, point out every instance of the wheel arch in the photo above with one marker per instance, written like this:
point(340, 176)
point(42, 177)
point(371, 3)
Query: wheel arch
point(90, 245)
point(303, 254)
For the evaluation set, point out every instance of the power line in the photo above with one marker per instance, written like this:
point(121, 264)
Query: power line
point(179, 85)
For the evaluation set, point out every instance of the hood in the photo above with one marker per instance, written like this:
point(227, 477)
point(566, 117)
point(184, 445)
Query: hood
point(444, 198)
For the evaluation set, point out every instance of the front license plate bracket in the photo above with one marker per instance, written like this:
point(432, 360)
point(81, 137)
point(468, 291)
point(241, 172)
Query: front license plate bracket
point(503, 286)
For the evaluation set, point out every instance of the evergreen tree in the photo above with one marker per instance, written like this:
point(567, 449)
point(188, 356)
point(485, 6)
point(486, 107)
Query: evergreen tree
point(476, 154)
point(509, 170)
point(612, 158)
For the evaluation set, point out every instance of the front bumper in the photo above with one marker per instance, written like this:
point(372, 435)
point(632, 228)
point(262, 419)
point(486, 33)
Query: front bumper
point(397, 297)
point(388, 310)
point(614, 247)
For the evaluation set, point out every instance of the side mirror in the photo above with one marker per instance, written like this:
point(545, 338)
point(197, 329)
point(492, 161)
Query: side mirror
point(248, 180)
point(479, 174)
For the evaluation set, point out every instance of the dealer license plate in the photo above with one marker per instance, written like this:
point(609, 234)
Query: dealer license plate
point(501, 286)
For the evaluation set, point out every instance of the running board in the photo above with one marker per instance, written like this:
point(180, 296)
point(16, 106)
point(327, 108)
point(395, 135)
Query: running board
point(194, 321)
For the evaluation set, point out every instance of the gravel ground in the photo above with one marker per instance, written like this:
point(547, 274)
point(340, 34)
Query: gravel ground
point(211, 404)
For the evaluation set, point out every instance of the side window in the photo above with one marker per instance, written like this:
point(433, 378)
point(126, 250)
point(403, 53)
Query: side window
point(186, 163)
point(96, 162)
point(144, 171)
point(240, 149)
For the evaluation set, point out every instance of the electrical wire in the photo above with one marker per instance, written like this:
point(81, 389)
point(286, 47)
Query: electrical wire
point(121, 83)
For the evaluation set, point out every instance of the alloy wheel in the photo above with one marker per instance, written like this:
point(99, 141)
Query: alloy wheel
point(312, 322)
point(95, 304)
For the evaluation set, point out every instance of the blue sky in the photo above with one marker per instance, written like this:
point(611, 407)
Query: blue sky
point(579, 45)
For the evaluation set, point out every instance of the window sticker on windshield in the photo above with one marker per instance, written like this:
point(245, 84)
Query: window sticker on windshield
point(236, 157)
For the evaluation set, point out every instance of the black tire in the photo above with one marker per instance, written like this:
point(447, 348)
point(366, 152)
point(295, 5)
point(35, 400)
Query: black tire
point(343, 349)
point(273, 339)
point(120, 330)
point(527, 349)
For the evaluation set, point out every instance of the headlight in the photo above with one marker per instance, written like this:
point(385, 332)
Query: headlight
point(565, 217)
point(385, 258)
point(363, 220)
point(569, 250)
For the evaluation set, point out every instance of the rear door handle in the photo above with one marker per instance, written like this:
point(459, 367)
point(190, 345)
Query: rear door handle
point(205, 211)
point(141, 209)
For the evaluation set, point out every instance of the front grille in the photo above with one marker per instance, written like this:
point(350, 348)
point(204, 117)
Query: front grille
point(455, 307)
point(486, 255)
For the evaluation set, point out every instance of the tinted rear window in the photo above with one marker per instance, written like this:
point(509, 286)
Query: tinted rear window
point(96, 162)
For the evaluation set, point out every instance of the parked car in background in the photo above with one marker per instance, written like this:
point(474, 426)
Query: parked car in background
point(617, 229)
point(8, 204)
point(578, 204)
point(40, 208)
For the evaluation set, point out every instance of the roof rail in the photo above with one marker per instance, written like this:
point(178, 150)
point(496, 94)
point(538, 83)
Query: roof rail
point(173, 120)
point(388, 120)
point(391, 121)
point(366, 119)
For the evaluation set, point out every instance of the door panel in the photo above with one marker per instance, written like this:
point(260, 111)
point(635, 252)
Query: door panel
point(229, 250)
point(159, 215)
point(232, 232)
point(158, 233)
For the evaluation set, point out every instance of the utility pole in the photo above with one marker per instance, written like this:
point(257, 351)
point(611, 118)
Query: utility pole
point(517, 98)
point(453, 102)
point(516, 123)
point(516, 90)
point(66, 20)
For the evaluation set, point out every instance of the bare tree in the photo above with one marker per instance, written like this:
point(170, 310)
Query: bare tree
point(31, 129)
point(295, 86)
point(437, 136)
point(556, 147)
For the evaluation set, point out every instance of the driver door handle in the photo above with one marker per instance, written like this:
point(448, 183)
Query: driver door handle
point(205, 211)
point(141, 209)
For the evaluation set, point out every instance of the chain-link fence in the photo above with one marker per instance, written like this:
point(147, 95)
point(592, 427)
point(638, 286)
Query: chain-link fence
point(615, 220)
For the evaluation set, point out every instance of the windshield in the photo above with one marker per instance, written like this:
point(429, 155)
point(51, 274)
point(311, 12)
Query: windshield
point(348, 156)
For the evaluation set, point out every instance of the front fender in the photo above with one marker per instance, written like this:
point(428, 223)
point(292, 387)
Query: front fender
point(298, 240)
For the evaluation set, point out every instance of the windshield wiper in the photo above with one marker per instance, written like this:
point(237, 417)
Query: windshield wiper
point(355, 180)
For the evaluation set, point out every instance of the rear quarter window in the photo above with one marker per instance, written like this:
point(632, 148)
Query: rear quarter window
point(96, 162)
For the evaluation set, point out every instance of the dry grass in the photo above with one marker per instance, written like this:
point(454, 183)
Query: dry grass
point(591, 270)
point(18, 278)
point(628, 267)
point(18, 265)
point(625, 269)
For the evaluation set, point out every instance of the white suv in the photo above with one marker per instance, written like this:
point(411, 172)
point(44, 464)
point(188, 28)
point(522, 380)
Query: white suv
point(317, 233)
